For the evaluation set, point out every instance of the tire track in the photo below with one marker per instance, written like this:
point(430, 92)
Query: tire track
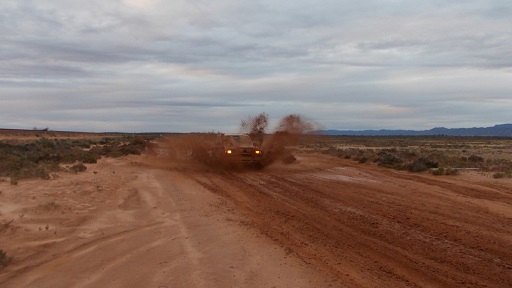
point(339, 227)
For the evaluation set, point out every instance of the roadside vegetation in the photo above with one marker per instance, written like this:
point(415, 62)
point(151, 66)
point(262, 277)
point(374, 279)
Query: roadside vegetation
point(39, 158)
point(440, 155)
point(4, 259)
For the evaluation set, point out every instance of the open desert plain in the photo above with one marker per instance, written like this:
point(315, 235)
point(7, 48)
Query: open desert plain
point(343, 212)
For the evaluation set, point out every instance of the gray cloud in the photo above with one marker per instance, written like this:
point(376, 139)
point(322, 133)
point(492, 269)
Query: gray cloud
point(149, 65)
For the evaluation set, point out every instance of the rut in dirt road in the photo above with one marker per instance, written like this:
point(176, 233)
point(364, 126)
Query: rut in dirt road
point(380, 229)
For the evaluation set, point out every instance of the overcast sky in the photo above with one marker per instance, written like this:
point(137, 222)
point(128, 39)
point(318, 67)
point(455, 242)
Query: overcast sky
point(191, 65)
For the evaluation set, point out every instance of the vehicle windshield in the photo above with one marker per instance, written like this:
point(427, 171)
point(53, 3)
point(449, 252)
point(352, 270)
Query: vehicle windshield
point(241, 140)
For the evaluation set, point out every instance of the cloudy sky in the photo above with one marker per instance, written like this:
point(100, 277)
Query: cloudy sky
point(197, 65)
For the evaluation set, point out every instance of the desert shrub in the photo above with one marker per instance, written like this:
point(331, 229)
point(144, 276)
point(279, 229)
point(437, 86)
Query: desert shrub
point(128, 149)
point(136, 146)
point(363, 160)
point(499, 165)
point(85, 143)
point(39, 158)
point(138, 141)
point(498, 175)
point(459, 152)
point(89, 158)
point(421, 165)
point(450, 171)
point(455, 161)
point(408, 155)
point(45, 143)
point(506, 174)
point(387, 151)
point(80, 167)
point(390, 161)
point(4, 259)
point(114, 153)
point(10, 165)
point(41, 172)
point(14, 180)
point(332, 151)
point(443, 171)
point(475, 159)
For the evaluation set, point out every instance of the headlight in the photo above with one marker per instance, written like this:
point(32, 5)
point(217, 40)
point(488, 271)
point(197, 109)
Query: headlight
point(229, 151)
point(257, 152)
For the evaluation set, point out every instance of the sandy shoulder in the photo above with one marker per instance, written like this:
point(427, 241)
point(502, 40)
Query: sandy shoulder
point(122, 224)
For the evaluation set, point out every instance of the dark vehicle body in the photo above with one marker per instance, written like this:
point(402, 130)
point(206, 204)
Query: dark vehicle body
point(236, 149)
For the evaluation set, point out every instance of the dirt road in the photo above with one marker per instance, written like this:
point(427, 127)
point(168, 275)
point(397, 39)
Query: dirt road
point(321, 222)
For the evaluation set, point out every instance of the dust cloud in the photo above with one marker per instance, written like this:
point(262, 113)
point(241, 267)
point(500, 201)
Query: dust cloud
point(288, 133)
point(193, 150)
point(181, 150)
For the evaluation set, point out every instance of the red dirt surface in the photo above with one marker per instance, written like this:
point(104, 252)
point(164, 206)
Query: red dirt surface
point(144, 221)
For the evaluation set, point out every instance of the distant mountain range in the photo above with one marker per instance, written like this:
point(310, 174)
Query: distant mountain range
point(502, 130)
